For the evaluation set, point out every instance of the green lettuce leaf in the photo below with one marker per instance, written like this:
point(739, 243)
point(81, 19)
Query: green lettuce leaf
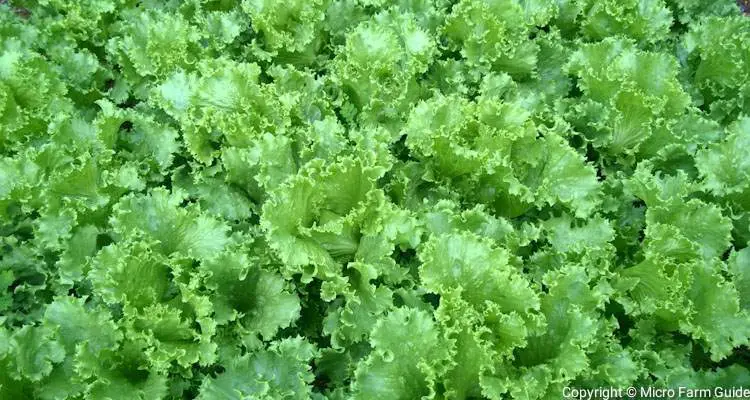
point(406, 356)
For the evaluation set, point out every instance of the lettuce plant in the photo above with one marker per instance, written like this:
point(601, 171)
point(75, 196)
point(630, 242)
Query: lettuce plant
point(372, 199)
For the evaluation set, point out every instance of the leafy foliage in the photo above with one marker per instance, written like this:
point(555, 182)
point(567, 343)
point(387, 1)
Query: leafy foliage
point(372, 199)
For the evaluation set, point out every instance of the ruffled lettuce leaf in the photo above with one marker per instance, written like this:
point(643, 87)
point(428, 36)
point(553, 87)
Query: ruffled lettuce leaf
point(281, 371)
point(407, 352)
point(158, 217)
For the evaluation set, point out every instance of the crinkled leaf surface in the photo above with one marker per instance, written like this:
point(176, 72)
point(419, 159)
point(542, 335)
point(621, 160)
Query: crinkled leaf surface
point(372, 199)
